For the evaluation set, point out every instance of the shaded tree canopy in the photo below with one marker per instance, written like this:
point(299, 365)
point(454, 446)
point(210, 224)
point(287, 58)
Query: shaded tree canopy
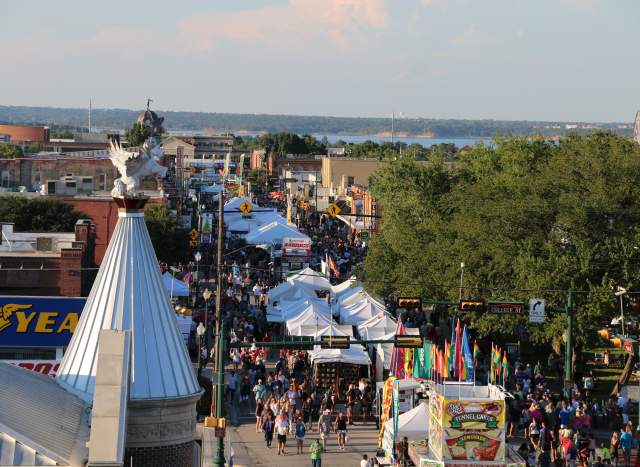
point(529, 218)
point(137, 134)
point(10, 151)
point(170, 242)
point(39, 214)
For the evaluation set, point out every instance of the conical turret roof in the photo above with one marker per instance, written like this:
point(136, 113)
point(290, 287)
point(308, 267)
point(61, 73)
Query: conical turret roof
point(128, 294)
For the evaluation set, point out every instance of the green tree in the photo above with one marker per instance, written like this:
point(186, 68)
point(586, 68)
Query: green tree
point(137, 134)
point(39, 214)
point(170, 242)
point(528, 218)
point(10, 151)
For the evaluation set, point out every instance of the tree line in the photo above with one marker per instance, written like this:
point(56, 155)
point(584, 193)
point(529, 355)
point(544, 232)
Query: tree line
point(119, 119)
point(529, 219)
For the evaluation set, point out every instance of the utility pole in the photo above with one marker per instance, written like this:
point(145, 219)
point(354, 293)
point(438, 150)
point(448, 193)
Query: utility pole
point(219, 384)
point(568, 359)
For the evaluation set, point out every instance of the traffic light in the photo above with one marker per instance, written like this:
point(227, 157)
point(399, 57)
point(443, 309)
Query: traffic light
point(193, 234)
point(471, 305)
point(410, 303)
point(334, 342)
point(408, 341)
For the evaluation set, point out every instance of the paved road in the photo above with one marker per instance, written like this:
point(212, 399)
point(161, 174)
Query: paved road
point(250, 449)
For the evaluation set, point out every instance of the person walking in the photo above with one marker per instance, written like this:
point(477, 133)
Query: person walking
point(282, 428)
point(324, 428)
point(626, 443)
point(341, 430)
point(301, 431)
point(259, 413)
point(268, 427)
point(316, 450)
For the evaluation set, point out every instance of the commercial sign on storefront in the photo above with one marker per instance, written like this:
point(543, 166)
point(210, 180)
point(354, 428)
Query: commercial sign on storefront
point(38, 321)
point(296, 246)
point(46, 367)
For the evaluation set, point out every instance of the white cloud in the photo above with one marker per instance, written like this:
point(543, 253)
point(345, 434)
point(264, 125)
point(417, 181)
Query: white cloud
point(338, 21)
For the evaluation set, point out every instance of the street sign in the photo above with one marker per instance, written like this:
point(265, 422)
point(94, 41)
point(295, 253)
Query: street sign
point(405, 341)
point(246, 207)
point(410, 303)
point(498, 308)
point(299, 342)
point(333, 210)
point(334, 342)
point(471, 305)
point(536, 310)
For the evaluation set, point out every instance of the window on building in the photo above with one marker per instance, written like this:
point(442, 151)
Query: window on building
point(350, 181)
point(102, 181)
point(51, 188)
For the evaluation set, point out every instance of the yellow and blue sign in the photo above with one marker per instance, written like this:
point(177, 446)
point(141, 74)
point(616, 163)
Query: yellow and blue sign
point(38, 321)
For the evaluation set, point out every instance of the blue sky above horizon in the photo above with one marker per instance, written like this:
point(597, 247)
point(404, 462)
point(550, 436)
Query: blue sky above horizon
point(501, 59)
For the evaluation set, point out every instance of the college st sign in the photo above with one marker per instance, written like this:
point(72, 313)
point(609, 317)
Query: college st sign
point(38, 321)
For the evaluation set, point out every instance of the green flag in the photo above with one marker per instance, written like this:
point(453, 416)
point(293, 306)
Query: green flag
point(428, 358)
point(418, 360)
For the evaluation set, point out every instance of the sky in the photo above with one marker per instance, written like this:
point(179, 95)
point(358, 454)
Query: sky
point(499, 59)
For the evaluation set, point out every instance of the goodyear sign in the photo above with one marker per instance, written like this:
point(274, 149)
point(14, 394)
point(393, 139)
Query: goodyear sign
point(38, 321)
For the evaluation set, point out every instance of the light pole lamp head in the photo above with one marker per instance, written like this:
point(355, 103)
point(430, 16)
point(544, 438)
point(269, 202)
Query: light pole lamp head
point(207, 294)
point(200, 330)
point(197, 256)
point(620, 291)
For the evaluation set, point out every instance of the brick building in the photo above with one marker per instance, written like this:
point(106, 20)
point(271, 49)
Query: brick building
point(25, 133)
point(276, 164)
point(44, 263)
point(103, 211)
point(31, 172)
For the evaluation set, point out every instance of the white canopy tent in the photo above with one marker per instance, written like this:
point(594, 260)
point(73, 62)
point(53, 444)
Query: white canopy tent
point(354, 355)
point(344, 287)
point(311, 316)
point(331, 330)
point(413, 424)
point(290, 310)
point(272, 233)
point(377, 326)
point(359, 312)
point(311, 279)
point(279, 290)
point(175, 287)
point(234, 203)
point(351, 296)
point(212, 188)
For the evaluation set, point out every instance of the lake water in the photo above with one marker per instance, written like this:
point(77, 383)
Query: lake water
point(426, 142)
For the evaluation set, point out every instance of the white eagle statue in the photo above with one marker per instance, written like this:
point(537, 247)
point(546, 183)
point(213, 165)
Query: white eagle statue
point(134, 165)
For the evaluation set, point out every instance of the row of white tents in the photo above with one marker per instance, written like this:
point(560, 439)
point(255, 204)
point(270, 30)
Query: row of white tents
point(346, 310)
point(263, 226)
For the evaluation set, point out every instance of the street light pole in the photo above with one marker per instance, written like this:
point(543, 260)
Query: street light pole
point(197, 257)
point(219, 385)
point(206, 295)
point(568, 359)
point(621, 292)
point(200, 330)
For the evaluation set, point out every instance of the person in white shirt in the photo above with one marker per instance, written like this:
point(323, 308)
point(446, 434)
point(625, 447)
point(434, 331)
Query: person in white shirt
point(365, 461)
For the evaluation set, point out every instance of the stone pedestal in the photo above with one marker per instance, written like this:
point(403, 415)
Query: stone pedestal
point(161, 432)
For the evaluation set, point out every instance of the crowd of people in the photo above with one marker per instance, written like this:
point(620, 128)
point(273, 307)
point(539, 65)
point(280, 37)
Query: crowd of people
point(564, 430)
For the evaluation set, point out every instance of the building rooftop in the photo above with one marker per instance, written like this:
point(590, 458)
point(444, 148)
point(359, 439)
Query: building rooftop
point(129, 294)
point(39, 420)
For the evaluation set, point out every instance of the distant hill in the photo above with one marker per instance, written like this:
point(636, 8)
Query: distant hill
point(119, 119)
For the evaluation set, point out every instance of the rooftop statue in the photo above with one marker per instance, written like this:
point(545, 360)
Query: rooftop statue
point(134, 165)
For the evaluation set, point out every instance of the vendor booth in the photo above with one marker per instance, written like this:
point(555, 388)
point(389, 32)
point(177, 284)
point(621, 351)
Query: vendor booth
point(413, 424)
